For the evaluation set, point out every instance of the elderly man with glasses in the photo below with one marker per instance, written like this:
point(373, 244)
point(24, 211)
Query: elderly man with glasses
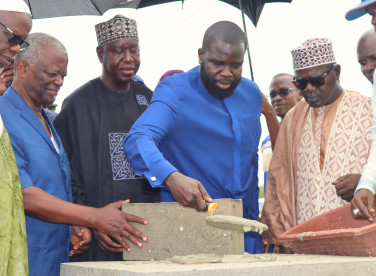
point(322, 146)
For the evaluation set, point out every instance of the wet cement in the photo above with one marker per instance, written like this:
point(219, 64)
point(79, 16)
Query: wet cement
point(212, 258)
point(235, 223)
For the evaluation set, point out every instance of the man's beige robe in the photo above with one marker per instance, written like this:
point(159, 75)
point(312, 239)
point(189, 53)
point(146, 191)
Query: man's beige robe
point(315, 146)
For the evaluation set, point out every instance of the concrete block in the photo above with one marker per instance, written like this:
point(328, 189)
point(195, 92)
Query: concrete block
point(291, 265)
point(176, 230)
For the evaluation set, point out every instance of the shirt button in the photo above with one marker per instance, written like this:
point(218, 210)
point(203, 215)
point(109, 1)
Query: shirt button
point(62, 164)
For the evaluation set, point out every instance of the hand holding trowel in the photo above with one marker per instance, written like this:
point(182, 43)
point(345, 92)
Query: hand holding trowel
point(232, 222)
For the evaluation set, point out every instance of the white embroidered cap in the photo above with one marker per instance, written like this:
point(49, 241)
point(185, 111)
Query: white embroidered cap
point(313, 52)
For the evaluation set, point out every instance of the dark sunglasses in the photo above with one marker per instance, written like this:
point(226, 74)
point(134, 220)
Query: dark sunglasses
point(282, 92)
point(15, 39)
point(316, 81)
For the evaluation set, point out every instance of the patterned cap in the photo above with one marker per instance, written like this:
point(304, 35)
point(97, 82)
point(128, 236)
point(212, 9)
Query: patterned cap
point(313, 52)
point(119, 27)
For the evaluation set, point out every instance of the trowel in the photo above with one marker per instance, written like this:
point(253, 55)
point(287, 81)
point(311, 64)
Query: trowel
point(232, 222)
point(211, 206)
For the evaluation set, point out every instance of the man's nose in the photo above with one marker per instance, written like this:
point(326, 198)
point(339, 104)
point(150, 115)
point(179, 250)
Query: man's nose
point(278, 97)
point(226, 72)
point(127, 56)
point(370, 66)
point(59, 80)
point(309, 88)
point(15, 49)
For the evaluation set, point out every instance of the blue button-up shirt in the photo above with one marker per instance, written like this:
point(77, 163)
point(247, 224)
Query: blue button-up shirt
point(214, 141)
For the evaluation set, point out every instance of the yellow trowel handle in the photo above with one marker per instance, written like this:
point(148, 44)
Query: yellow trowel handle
point(211, 207)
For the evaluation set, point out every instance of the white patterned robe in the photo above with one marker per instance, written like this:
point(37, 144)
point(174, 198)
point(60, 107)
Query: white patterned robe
point(315, 146)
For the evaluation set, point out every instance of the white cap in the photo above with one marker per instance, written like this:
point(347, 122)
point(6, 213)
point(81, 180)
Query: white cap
point(14, 5)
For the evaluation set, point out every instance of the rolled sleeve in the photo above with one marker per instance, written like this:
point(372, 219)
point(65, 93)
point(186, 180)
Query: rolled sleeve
point(366, 184)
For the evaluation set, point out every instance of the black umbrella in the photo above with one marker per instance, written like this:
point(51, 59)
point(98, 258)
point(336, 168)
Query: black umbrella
point(56, 8)
point(252, 8)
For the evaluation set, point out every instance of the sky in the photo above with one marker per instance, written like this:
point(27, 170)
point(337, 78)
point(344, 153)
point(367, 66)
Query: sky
point(170, 35)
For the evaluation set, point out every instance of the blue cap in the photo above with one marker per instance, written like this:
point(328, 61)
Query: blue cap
point(359, 10)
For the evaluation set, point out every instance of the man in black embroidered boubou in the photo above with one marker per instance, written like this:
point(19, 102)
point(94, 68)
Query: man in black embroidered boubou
point(93, 124)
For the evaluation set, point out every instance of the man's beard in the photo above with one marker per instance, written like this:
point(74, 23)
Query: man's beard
point(217, 92)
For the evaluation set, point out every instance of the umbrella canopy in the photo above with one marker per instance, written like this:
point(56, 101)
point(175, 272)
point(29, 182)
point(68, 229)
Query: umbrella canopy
point(252, 8)
point(56, 8)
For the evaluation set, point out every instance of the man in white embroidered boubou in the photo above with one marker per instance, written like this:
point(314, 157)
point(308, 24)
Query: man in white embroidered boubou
point(322, 146)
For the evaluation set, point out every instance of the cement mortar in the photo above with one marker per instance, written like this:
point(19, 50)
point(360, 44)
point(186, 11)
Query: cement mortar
point(291, 265)
point(235, 223)
point(212, 258)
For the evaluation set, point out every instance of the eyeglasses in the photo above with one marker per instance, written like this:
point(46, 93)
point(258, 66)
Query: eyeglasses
point(316, 81)
point(15, 39)
point(282, 92)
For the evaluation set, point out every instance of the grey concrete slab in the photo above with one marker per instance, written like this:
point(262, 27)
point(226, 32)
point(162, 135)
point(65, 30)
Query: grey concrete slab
point(291, 265)
point(177, 230)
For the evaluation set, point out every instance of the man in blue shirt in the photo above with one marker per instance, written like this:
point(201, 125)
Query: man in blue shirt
point(201, 131)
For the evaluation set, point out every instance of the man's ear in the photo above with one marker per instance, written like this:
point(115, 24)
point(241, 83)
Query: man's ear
point(100, 53)
point(22, 67)
point(200, 55)
point(337, 70)
point(300, 95)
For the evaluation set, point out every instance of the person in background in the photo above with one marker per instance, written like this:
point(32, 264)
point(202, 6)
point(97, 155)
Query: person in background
point(170, 73)
point(15, 25)
point(92, 125)
point(201, 132)
point(363, 205)
point(50, 111)
point(366, 51)
point(322, 146)
point(284, 96)
point(44, 168)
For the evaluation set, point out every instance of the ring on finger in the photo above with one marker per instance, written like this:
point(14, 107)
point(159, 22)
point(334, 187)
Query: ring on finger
point(355, 211)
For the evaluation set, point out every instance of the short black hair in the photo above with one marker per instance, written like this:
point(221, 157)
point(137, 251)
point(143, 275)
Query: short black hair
point(225, 31)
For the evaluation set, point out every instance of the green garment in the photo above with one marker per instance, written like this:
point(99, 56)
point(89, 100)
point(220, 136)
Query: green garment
point(13, 244)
